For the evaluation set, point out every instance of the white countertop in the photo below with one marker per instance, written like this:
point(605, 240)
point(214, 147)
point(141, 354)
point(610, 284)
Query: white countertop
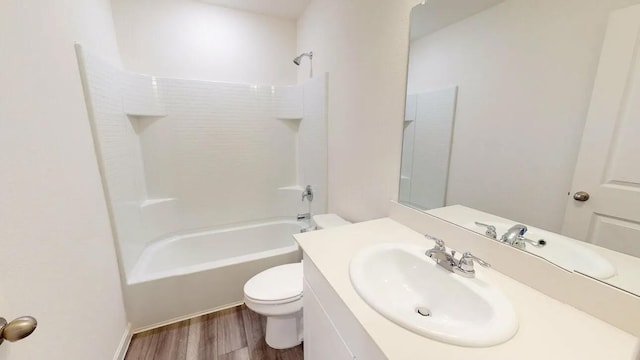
point(548, 329)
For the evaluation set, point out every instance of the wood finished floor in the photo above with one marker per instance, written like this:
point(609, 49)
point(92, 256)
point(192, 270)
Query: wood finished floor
point(232, 334)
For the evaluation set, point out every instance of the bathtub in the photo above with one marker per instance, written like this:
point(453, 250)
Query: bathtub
point(189, 274)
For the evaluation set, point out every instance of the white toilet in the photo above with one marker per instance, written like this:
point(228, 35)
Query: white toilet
point(277, 294)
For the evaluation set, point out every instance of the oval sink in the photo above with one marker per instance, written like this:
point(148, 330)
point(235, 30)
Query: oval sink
point(408, 288)
point(560, 250)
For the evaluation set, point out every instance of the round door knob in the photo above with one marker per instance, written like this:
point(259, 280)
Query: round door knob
point(17, 329)
point(581, 196)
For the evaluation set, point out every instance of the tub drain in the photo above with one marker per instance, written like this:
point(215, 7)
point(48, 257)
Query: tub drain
point(423, 311)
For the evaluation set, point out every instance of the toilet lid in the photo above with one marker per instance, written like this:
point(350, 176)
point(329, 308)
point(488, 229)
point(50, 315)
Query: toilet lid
point(326, 221)
point(279, 283)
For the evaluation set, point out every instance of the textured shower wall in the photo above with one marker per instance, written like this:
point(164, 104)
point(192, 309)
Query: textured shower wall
point(118, 153)
point(178, 155)
point(220, 153)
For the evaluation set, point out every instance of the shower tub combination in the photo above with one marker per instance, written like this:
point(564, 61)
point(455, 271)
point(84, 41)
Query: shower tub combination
point(189, 274)
point(179, 155)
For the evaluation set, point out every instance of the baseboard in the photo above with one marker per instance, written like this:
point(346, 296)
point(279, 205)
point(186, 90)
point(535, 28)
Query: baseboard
point(186, 317)
point(124, 344)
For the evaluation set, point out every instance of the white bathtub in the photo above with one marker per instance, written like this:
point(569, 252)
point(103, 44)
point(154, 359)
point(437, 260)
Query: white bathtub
point(188, 274)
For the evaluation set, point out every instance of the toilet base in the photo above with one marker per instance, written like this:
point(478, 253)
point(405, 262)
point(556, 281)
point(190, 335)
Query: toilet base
point(284, 332)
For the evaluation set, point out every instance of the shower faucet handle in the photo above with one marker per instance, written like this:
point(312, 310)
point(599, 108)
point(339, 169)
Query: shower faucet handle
point(307, 193)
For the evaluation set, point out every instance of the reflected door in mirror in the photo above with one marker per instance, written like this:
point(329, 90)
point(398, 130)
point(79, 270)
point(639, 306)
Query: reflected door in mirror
point(608, 166)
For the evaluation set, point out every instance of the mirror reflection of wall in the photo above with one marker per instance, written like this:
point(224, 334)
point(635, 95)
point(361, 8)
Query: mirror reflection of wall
point(533, 77)
point(428, 131)
point(503, 58)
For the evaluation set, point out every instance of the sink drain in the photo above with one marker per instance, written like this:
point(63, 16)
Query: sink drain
point(423, 311)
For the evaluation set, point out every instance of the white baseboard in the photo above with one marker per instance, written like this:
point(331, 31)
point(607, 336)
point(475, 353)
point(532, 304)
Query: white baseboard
point(124, 344)
point(186, 317)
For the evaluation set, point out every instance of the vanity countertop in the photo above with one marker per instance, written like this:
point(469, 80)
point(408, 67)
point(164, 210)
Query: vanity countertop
point(548, 329)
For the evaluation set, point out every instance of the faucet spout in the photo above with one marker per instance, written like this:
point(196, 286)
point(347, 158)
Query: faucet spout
point(447, 261)
point(440, 255)
point(515, 236)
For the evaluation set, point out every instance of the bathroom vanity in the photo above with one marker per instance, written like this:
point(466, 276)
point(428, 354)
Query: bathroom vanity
point(340, 325)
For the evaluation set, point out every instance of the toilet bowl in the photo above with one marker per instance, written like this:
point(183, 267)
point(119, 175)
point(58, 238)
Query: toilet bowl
point(277, 294)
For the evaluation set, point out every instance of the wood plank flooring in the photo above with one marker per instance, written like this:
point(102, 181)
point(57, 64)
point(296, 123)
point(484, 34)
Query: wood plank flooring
point(232, 334)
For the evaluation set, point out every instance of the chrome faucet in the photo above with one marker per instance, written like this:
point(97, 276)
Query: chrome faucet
point(462, 267)
point(515, 236)
point(306, 217)
point(440, 255)
point(307, 193)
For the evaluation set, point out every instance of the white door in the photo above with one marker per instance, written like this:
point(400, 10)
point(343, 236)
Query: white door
point(608, 167)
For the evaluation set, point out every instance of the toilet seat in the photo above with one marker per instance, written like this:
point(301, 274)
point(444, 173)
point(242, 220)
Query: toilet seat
point(278, 285)
point(273, 302)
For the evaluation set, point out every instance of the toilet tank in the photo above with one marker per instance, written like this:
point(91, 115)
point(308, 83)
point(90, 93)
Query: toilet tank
point(325, 221)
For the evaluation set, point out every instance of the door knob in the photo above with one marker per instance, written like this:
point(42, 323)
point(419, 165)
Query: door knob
point(581, 196)
point(17, 329)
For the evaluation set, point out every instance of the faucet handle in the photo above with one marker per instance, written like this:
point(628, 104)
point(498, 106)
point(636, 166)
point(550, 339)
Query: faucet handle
point(307, 193)
point(467, 261)
point(439, 242)
point(465, 265)
point(491, 230)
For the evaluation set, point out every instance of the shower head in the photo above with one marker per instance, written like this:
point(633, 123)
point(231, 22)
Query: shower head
point(299, 58)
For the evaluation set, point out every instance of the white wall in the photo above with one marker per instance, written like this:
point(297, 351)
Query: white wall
point(189, 39)
point(58, 258)
point(363, 46)
point(525, 72)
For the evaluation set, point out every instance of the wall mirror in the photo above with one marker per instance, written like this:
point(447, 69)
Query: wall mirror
point(523, 124)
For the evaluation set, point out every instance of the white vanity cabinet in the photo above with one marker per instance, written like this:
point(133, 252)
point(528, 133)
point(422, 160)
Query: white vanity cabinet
point(331, 332)
point(321, 338)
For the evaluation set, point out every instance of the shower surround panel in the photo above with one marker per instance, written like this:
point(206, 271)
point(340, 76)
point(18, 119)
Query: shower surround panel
point(220, 153)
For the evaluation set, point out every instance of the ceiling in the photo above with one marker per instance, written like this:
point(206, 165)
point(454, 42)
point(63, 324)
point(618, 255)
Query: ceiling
point(437, 14)
point(290, 9)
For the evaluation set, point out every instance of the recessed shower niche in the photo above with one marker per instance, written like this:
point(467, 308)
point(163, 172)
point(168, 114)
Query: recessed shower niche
point(184, 160)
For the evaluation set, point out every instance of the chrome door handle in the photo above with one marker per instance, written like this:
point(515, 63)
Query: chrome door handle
point(581, 196)
point(17, 329)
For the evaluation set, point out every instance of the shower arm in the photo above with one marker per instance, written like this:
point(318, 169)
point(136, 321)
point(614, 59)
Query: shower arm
point(297, 61)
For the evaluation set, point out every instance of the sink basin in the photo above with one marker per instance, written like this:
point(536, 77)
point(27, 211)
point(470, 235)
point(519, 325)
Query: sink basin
point(563, 251)
point(408, 288)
